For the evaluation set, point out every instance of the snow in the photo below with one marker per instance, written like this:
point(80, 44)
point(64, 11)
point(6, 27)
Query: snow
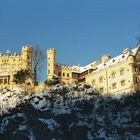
point(38, 104)
point(115, 60)
point(52, 124)
point(101, 133)
point(4, 123)
point(31, 136)
point(100, 115)
point(111, 62)
point(22, 127)
point(10, 98)
point(101, 65)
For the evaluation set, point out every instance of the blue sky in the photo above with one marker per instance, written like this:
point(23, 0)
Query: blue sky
point(80, 30)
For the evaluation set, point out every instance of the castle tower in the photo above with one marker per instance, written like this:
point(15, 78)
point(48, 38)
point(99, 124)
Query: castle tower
point(26, 54)
point(51, 62)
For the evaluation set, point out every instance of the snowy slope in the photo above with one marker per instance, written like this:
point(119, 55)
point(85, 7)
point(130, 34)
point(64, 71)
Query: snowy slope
point(69, 113)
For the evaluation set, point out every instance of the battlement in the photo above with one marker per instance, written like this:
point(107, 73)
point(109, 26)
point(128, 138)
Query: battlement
point(8, 53)
point(68, 67)
point(51, 50)
point(27, 47)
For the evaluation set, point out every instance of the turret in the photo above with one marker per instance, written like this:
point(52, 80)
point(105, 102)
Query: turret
point(8, 53)
point(51, 62)
point(127, 50)
point(27, 56)
point(105, 58)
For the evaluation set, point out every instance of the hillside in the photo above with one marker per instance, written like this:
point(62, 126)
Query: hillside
point(73, 112)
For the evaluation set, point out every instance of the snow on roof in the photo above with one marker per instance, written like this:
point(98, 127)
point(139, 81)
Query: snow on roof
point(58, 64)
point(102, 65)
point(112, 61)
point(89, 66)
point(116, 59)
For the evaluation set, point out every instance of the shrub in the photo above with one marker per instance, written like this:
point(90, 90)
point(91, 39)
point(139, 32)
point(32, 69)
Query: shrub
point(21, 76)
point(53, 81)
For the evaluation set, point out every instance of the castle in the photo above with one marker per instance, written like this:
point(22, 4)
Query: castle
point(10, 64)
point(107, 75)
point(120, 74)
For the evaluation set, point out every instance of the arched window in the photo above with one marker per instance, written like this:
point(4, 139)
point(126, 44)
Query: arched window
point(113, 75)
point(14, 66)
point(5, 66)
point(123, 83)
point(114, 85)
point(122, 72)
point(101, 90)
point(100, 79)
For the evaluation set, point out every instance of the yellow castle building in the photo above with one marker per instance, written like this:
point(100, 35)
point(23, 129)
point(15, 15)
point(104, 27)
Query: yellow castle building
point(10, 64)
point(107, 75)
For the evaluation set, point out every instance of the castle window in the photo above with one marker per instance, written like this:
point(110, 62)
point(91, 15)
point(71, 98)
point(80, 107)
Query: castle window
point(113, 75)
point(122, 72)
point(19, 65)
point(100, 79)
point(63, 74)
point(114, 85)
point(101, 90)
point(113, 60)
point(28, 83)
point(48, 71)
point(136, 79)
point(4, 66)
point(59, 73)
point(48, 64)
point(5, 81)
point(14, 60)
point(123, 83)
point(14, 66)
point(68, 75)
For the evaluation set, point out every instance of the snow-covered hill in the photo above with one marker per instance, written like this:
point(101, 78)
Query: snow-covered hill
point(74, 112)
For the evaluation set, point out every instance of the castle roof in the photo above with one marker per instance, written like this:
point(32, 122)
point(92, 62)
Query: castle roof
point(98, 65)
point(117, 59)
point(87, 67)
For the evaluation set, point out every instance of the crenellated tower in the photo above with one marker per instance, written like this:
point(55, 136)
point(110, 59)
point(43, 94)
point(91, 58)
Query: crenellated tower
point(51, 62)
point(26, 54)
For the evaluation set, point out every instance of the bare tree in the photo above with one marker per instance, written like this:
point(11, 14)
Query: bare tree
point(37, 62)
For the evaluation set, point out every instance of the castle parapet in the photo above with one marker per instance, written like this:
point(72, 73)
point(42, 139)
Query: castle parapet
point(8, 53)
point(51, 50)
